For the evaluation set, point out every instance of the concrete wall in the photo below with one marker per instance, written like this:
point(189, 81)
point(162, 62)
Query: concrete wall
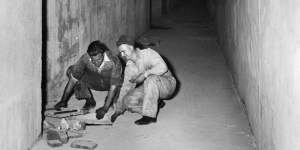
point(20, 77)
point(261, 42)
point(73, 24)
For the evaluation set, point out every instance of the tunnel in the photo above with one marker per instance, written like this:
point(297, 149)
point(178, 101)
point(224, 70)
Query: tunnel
point(236, 63)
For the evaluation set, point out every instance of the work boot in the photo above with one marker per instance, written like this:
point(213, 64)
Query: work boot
point(61, 104)
point(90, 103)
point(161, 104)
point(145, 120)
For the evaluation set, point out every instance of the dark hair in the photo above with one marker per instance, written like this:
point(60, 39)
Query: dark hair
point(124, 39)
point(144, 42)
point(96, 47)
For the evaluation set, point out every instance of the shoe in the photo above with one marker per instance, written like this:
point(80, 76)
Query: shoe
point(145, 120)
point(161, 104)
point(89, 104)
point(61, 104)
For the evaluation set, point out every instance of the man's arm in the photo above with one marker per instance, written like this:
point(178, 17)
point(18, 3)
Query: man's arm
point(108, 100)
point(116, 81)
point(129, 73)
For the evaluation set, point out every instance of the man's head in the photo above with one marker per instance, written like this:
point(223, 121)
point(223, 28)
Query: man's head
point(125, 45)
point(96, 50)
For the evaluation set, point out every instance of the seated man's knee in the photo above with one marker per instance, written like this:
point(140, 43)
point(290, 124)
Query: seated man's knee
point(128, 101)
point(75, 72)
point(131, 101)
point(81, 91)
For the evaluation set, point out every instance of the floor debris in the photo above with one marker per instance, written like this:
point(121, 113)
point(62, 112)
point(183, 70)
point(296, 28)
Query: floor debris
point(75, 134)
point(59, 130)
point(67, 123)
point(56, 138)
point(84, 144)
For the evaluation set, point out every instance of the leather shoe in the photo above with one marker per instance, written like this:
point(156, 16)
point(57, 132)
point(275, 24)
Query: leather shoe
point(161, 104)
point(145, 120)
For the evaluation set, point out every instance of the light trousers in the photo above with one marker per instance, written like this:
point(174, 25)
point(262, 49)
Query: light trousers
point(144, 98)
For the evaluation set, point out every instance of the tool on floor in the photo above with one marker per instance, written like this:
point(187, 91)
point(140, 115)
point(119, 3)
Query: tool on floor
point(65, 112)
point(90, 118)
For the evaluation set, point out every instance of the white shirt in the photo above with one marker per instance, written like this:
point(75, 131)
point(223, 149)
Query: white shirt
point(106, 59)
point(149, 62)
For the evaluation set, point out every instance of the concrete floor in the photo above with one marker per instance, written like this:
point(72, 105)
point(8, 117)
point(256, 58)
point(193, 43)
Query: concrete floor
point(205, 115)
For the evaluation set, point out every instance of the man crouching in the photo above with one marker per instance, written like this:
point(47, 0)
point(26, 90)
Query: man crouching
point(147, 81)
point(99, 70)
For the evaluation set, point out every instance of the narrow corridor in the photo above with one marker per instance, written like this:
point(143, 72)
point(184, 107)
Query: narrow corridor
point(205, 115)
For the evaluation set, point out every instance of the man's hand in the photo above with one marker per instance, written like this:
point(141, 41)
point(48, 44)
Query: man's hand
point(100, 113)
point(139, 79)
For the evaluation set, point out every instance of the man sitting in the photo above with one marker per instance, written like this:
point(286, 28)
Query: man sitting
point(99, 70)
